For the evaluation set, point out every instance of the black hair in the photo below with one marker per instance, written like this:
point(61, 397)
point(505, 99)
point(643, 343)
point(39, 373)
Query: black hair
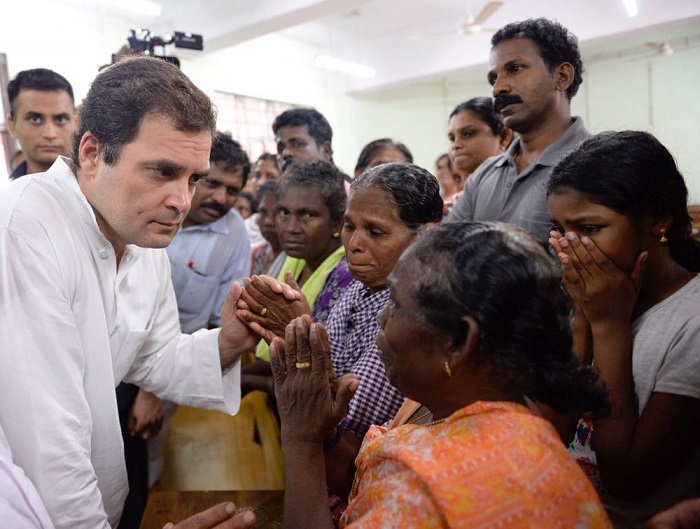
point(320, 175)
point(446, 156)
point(123, 94)
point(496, 273)
point(267, 156)
point(267, 187)
point(482, 107)
point(229, 153)
point(251, 198)
point(41, 79)
point(370, 150)
point(632, 173)
point(413, 190)
point(319, 128)
point(557, 45)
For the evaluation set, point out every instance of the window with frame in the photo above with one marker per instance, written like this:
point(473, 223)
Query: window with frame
point(249, 120)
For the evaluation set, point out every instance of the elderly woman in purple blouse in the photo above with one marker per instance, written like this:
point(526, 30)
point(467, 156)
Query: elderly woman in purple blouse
point(388, 206)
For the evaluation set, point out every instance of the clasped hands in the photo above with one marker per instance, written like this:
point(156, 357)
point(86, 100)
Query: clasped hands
point(310, 399)
point(266, 310)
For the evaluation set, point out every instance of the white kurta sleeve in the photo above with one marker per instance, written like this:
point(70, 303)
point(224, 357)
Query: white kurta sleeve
point(43, 407)
point(183, 368)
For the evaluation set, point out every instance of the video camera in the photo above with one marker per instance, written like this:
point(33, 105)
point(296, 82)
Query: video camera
point(144, 42)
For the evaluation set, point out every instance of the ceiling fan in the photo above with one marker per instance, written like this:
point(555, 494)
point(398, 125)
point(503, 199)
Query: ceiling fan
point(471, 24)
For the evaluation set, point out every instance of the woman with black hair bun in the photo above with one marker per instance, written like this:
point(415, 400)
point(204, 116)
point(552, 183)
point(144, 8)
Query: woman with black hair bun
point(477, 326)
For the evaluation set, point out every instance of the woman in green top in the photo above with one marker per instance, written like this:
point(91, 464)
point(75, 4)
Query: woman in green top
point(310, 206)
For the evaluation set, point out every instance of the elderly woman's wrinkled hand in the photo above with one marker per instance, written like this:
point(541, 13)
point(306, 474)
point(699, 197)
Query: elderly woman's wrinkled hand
point(598, 287)
point(310, 404)
point(267, 307)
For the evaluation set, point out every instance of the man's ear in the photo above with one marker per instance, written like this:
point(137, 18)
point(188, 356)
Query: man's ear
point(11, 126)
point(465, 345)
point(327, 150)
point(505, 139)
point(89, 154)
point(564, 76)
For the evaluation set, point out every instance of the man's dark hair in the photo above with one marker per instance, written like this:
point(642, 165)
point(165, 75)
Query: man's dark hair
point(229, 154)
point(319, 128)
point(122, 95)
point(556, 43)
point(41, 79)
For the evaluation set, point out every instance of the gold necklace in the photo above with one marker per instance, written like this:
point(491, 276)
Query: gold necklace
point(437, 421)
point(417, 419)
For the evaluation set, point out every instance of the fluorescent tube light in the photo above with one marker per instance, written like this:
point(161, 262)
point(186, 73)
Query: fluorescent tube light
point(331, 63)
point(631, 7)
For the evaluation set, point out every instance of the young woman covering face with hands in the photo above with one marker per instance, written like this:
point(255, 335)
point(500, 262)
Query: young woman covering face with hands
point(622, 236)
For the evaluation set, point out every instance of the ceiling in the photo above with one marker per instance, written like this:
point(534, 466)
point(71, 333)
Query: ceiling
point(409, 41)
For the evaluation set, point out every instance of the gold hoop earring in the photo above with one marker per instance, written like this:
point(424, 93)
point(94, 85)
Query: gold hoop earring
point(336, 234)
point(663, 235)
point(448, 370)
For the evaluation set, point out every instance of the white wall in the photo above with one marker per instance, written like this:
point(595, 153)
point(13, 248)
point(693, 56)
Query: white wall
point(68, 39)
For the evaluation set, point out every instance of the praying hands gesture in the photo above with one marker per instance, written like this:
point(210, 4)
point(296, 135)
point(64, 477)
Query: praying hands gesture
point(311, 403)
point(266, 310)
point(311, 400)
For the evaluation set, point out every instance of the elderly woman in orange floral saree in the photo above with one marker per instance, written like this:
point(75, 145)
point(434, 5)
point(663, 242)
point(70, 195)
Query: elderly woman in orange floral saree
point(477, 325)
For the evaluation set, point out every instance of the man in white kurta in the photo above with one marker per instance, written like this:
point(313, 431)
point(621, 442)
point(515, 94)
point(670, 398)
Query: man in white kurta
point(73, 325)
point(85, 294)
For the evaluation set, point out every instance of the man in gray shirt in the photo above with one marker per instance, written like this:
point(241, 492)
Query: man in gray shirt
point(535, 69)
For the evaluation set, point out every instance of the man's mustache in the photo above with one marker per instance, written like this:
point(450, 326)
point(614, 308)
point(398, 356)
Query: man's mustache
point(504, 100)
point(213, 205)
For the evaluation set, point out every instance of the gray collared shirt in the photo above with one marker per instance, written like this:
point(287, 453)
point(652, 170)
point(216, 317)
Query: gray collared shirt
point(496, 192)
